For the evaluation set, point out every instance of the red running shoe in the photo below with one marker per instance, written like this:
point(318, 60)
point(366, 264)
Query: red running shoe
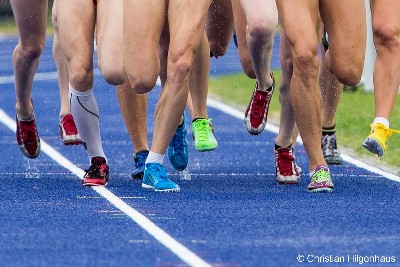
point(97, 174)
point(68, 132)
point(257, 111)
point(286, 169)
point(28, 137)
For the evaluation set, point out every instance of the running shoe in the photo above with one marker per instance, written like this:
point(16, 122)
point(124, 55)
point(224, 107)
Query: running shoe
point(28, 137)
point(155, 177)
point(203, 135)
point(178, 153)
point(298, 168)
point(321, 181)
point(329, 149)
point(376, 140)
point(285, 166)
point(257, 111)
point(140, 159)
point(68, 132)
point(97, 174)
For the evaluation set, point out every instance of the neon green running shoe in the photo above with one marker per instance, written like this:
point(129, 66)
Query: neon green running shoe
point(321, 181)
point(203, 135)
point(376, 140)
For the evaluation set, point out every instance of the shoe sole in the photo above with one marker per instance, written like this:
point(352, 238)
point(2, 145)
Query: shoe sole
point(252, 130)
point(282, 180)
point(25, 152)
point(334, 161)
point(321, 190)
point(72, 143)
point(171, 190)
point(94, 182)
point(205, 149)
point(373, 146)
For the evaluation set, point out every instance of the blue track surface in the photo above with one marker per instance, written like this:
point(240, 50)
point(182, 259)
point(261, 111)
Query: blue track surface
point(231, 212)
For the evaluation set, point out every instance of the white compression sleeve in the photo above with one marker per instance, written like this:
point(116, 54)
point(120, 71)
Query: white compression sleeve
point(86, 115)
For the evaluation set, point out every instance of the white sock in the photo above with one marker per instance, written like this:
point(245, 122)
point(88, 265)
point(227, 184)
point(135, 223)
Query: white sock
point(86, 116)
point(155, 158)
point(382, 120)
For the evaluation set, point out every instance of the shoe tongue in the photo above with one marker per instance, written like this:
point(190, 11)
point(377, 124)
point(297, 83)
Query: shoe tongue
point(98, 160)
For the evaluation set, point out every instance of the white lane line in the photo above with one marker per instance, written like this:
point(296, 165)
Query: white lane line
point(177, 248)
point(272, 128)
point(40, 76)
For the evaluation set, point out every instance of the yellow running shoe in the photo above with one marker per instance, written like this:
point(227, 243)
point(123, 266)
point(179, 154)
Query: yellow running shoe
point(376, 140)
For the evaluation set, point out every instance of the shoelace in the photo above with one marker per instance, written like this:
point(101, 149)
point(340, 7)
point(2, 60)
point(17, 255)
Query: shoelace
point(96, 169)
point(259, 103)
point(285, 160)
point(69, 126)
point(29, 133)
point(162, 173)
point(382, 131)
point(329, 145)
point(202, 128)
point(320, 176)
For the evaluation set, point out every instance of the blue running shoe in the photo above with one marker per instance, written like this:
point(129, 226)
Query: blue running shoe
point(140, 159)
point(155, 177)
point(178, 153)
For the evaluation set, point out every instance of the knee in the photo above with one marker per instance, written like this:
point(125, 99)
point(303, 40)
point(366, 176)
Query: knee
point(30, 50)
point(113, 76)
point(348, 73)
point(179, 65)
point(261, 30)
point(386, 35)
point(306, 60)
point(142, 84)
point(217, 49)
point(81, 77)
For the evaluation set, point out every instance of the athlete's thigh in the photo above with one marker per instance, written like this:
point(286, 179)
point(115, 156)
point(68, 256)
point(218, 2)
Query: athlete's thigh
point(143, 23)
point(345, 23)
point(31, 19)
point(186, 21)
point(219, 25)
point(299, 20)
point(76, 20)
point(109, 30)
point(260, 10)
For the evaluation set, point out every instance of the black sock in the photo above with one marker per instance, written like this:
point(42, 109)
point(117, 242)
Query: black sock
point(329, 130)
point(277, 147)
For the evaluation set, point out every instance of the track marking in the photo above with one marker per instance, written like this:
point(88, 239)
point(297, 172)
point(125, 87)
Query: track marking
point(40, 76)
point(177, 248)
point(272, 128)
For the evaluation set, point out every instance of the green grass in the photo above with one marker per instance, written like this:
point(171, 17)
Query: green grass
point(8, 26)
point(354, 115)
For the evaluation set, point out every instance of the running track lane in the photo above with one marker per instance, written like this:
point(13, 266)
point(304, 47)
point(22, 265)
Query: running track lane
point(231, 212)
